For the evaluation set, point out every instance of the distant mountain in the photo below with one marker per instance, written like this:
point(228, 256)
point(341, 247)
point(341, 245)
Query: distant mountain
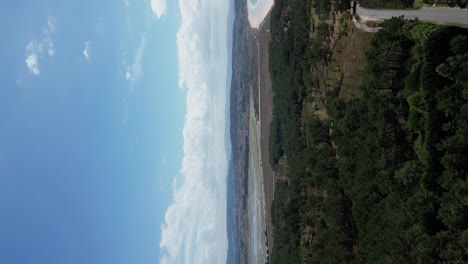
point(239, 118)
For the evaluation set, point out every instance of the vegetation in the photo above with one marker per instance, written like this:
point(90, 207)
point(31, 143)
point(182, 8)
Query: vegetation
point(384, 179)
point(450, 3)
point(387, 3)
point(307, 226)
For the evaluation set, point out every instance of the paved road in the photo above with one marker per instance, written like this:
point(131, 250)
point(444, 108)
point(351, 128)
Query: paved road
point(438, 15)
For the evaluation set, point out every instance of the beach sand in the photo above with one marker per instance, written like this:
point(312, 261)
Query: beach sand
point(258, 11)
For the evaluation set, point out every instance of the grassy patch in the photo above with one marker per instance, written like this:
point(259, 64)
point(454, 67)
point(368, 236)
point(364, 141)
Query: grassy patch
point(348, 60)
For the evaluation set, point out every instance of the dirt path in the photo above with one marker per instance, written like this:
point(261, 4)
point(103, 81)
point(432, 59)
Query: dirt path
point(362, 25)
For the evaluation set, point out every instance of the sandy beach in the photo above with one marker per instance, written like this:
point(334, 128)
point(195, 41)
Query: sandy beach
point(257, 11)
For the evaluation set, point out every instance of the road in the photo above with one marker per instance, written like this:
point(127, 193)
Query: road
point(436, 15)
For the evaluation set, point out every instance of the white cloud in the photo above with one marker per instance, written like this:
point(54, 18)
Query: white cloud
point(195, 223)
point(35, 49)
point(51, 49)
point(159, 7)
point(48, 33)
point(135, 72)
point(86, 50)
point(33, 64)
point(127, 15)
point(128, 75)
point(51, 24)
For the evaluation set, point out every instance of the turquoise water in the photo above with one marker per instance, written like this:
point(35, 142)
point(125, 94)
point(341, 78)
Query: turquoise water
point(253, 2)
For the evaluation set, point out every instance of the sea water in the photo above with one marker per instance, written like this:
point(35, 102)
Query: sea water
point(253, 2)
point(258, 10)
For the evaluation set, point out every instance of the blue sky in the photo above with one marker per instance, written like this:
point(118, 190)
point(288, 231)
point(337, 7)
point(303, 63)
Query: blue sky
point(91, 121)
point(112, 131)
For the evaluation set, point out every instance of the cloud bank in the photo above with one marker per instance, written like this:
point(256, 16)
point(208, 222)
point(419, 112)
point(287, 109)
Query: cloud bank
point(195, 223)
point(35, 49)
point(158, 7)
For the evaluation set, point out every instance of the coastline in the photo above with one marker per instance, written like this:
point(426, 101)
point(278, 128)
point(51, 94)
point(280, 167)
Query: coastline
point(258, 13)
point(258, 43)
point(244, 51)
point(256, 205)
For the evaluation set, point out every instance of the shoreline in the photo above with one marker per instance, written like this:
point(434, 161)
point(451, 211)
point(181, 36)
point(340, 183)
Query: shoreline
point(259, 251)
point(244, 81)
point(258, 14)
point(258, 42)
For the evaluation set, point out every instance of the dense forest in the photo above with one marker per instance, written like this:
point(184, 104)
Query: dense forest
point(384, 178)
point(410, 3)
point(387, 3)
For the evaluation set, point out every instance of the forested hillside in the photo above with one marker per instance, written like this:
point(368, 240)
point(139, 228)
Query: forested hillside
point(382, 179)
point(387, 3)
